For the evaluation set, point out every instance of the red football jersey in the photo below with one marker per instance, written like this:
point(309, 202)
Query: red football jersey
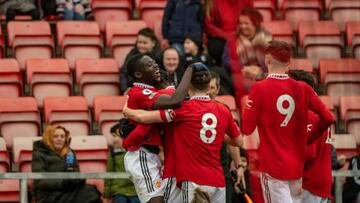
point(279, 106)
point(319, 185)
point(200, 125)
point(143, 96)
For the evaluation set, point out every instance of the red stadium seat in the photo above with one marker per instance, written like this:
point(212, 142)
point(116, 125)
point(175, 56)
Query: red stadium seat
point(353, 38)
point(70, 112)
point(79, 39)
point(345, 144)
point(320, 40)
point(341, 77)
point(19, 117)
point(158, 31)
point(301, 10)
point(344, 11)
point(48, 77)
point(108, 110)
point(350, 114)
point(121, 38)
point(111, 10)
point(152, 11)
point(9, 191)
point(22, 152)
point(280, 30)
point(2, 44)
point(266, 8)
point(91, 153)
point(97, 77)
point(303, 64)
point(4, 157)
point(229, 101)
point(30, 39)
point(10, 78)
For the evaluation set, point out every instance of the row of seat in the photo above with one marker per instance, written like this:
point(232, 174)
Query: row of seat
point(341, 11)
point(91, 153)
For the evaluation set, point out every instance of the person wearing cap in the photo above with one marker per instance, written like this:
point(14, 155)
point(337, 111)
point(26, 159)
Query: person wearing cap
point(278, 106)
point(194, 52)
point(181, 18)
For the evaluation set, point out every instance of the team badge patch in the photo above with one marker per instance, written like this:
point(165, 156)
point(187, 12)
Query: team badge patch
point(157, 183)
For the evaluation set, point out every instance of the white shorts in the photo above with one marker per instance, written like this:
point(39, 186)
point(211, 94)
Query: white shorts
point(216, 194)
point(144, 168)
point(308, 197)
point(172, 194)
point(280, 191)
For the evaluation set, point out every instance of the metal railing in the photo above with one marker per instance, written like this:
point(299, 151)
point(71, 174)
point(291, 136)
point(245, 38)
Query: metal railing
point(24, 177)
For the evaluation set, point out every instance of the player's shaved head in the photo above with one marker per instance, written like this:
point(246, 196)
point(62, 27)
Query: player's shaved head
point(200, 80)
point(280, 51)
point(135, 65)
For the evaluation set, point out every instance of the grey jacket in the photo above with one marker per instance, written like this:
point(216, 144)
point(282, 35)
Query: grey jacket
point(19, 5)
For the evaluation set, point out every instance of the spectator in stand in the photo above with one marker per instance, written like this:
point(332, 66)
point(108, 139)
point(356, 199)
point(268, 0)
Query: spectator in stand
point(194, 52)
point(351, 192)
point(239, 195)
point(337, 162)
point(53, 154)
point(173, 64)
point(181, 18)
point(146, 43)
point(221, 20)
point(73, 9)
point(11, 8)
point(119, 190)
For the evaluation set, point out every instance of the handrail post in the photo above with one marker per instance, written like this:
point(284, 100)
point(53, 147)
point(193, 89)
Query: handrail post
point(338, 189)
point(23, 190)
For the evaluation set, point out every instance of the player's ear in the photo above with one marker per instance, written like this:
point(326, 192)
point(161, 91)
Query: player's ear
point(138, 75)
point(267, 60)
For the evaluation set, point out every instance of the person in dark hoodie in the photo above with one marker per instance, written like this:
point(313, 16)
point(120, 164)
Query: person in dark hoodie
point(194, 52)
point(53, 154)
point(146, 43)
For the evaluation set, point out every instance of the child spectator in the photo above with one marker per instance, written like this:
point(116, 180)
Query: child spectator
point(194, 52)
point(181, 18)
point(11, 8)
point(73, 9)
point(119, 190)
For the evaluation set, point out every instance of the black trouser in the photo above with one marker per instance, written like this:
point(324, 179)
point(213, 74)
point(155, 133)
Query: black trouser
point(215, 49)
point(11, 13)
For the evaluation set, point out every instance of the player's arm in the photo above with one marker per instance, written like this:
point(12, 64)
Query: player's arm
point(234, 142)
point(142, 116)
point(250, 113)
point(325, 116)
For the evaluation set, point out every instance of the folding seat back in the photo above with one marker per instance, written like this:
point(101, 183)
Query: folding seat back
point(4, 157)
point(70, 112)
point(97, 77)
point(350, 114)
point(266, 8)
point(22, 152)
point(79, 39)
point(108, 111)
point(303, 64)
point(345, 144)
point(19, 117)
point(48, 77)
point(10, 78)
point(91, 153)
point(30, 39)
point(305, 10)
point(152, 11)
point(344, 11)
point(111, 10)
point(320, 40)
point(229, 101)
point(121, 38)
point(353, 38)
point(9, 191)
point(341, 77)
point(158, 31)
point(280, 30)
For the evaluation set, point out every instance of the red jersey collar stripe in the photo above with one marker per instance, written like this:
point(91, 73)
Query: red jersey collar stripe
point(200, 98)
point(278, 76)
point(139, 84)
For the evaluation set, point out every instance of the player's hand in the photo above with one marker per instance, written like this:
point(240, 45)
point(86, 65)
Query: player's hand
point(241, 177)
point(341, 159)
point(199, 67)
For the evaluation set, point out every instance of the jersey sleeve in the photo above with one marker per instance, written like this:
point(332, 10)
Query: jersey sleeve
point(170, 115)
point(251, 111)
point(232, 128)
point(325, 117)
point(136, 136)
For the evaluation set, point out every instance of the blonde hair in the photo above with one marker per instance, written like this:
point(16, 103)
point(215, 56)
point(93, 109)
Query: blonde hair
point(48, 139)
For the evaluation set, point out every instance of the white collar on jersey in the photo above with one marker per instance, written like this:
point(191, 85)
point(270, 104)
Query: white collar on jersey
point(171, 87)
point(200, 98)
point(278, 76)
point(139, 84)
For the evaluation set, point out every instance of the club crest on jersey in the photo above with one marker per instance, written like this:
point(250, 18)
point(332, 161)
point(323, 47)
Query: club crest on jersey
point(149, 92)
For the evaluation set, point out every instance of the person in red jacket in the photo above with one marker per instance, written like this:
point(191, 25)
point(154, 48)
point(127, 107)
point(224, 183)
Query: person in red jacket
point(316, 188)
point(278, 106)
point(221, 19)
